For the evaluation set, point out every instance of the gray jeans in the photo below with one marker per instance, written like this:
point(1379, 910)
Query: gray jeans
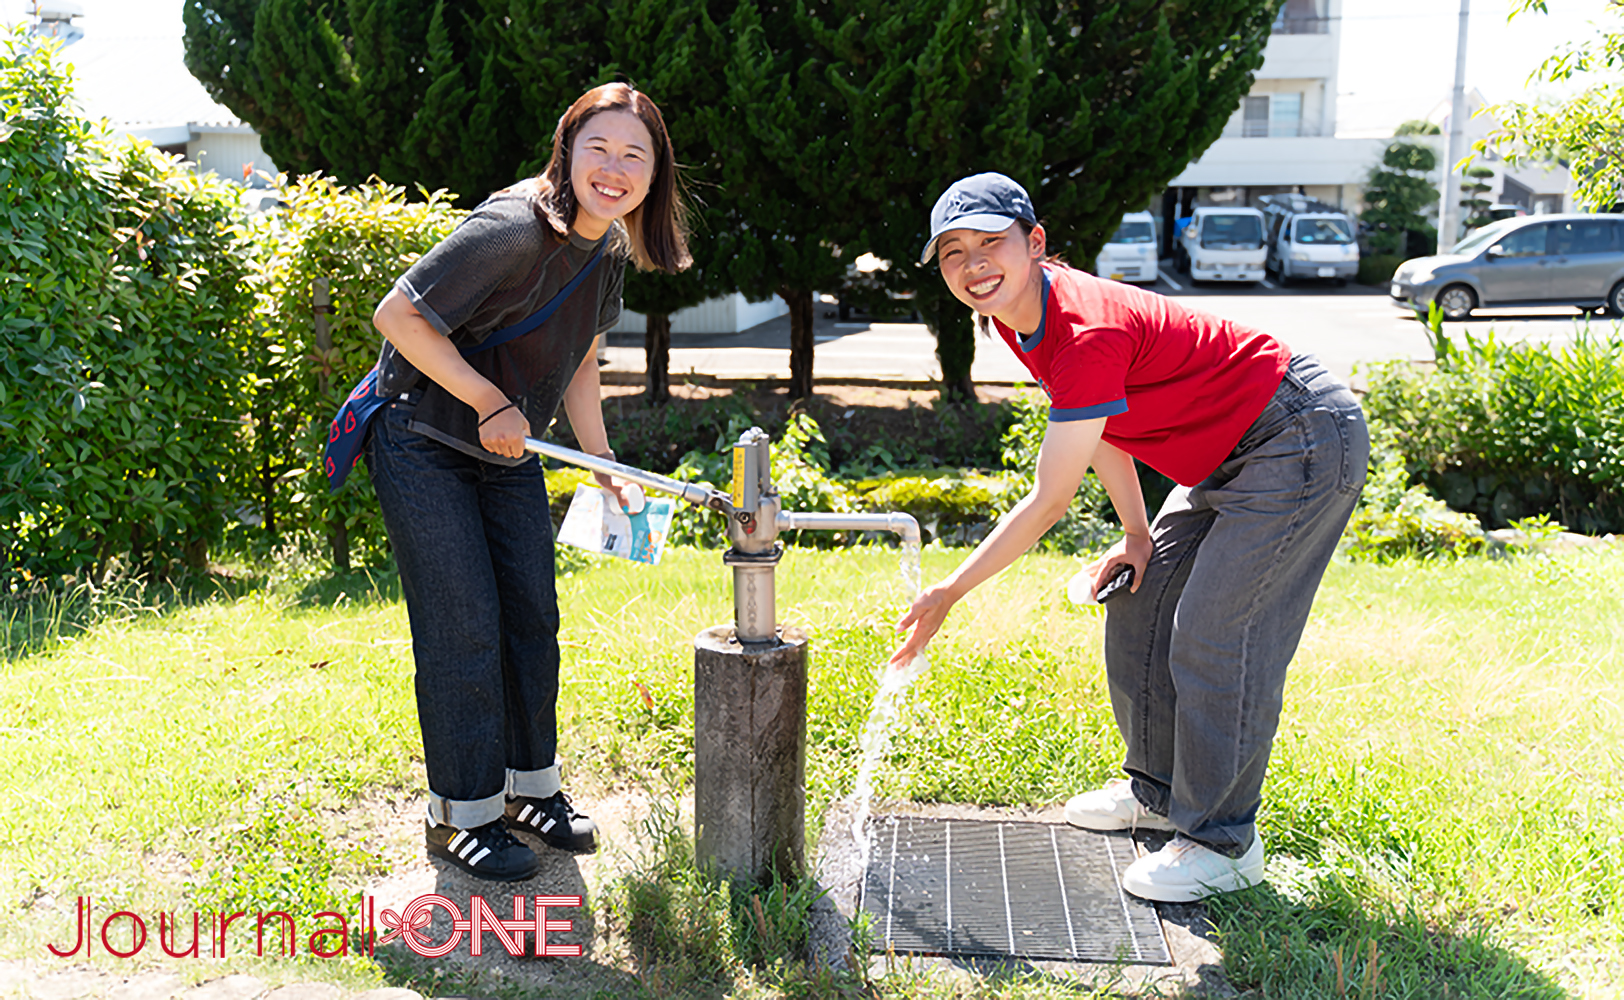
point(1196, 660)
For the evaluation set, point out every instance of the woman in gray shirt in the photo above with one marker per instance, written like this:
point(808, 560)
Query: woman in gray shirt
point(465, 507)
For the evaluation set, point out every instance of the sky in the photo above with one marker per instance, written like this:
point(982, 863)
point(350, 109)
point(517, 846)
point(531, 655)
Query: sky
point(1397, 57)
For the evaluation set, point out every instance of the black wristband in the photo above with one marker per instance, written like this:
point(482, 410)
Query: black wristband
point(493, 413)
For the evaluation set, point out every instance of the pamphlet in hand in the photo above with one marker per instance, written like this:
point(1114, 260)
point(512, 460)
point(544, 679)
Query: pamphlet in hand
point(598, 524)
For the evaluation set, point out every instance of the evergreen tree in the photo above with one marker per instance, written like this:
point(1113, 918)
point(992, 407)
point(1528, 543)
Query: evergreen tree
point(827, 127)
point(671, 51)
point(1092, 106)
point(1397, 194)
point(1476, 206)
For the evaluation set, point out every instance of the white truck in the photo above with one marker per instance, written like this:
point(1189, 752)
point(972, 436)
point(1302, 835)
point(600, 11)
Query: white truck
point(1309, 239)
point(1130, 254)
point(1222, 244)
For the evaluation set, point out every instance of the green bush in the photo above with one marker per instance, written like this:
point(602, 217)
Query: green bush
point(359, 240)
point(125, 318)
point(1377, 268)
point(1508, 431)
point(1395, 519)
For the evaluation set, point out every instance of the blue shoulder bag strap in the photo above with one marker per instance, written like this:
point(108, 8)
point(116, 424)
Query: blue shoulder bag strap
point(347, 434)
point(538, 317)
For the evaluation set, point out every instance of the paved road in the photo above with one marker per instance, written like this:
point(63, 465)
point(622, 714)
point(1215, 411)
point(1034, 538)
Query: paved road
point(1345, 326)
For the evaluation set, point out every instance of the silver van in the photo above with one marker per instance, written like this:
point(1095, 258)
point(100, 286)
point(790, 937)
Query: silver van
point(1536, 260)
point(1309, 239)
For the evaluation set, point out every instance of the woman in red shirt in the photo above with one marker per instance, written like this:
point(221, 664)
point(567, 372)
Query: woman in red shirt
point(1269, 451)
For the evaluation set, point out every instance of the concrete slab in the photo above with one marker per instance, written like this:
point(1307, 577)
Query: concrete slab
point(69, 984)
point(154, 985)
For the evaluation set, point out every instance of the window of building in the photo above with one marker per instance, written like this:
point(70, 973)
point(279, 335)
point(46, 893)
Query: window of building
point(1302, 17)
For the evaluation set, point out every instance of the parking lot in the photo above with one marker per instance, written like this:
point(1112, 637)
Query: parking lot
point(1346, 326)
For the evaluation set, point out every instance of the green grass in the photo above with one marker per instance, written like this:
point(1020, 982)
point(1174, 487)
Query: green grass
point(1444, 809)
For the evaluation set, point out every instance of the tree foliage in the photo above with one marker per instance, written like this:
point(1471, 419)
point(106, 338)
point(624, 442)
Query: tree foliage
point(1586, 130)
point(1397, 195)
point(122, 306)
point(353, 242)
point(1092, 106)
point(816, 130)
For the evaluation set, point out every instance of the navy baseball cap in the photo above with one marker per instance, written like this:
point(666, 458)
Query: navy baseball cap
point(987, 203)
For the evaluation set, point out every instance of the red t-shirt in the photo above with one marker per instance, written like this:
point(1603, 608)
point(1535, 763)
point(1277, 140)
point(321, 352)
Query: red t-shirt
point(1180, 387)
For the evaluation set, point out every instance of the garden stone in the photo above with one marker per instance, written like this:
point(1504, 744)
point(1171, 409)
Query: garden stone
point(389, 993)
point(148, 986)
point(310, 991)
point(236, 987)
point(68, 985)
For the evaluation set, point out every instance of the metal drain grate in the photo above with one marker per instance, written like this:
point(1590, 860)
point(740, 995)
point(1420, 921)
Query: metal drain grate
point(985, 888)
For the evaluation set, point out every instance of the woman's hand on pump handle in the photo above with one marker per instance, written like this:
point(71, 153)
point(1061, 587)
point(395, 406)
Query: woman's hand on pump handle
point(502, 432)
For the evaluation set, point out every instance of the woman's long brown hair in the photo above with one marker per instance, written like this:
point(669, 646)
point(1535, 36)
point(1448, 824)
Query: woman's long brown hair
point(657, 229)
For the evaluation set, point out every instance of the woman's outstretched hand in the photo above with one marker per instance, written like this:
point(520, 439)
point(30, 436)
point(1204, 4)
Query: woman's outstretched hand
point(926, 615)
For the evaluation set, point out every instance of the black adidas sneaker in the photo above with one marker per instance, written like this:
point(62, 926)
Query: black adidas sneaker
point(554, 820)
point(489, 852)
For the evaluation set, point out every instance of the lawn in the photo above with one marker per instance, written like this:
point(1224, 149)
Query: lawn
point(1444, 809)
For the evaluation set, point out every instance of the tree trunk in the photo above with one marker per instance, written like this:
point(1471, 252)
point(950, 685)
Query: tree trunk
point(955, 333)
point(657, 348)
point(338, 534)
point(801, 342)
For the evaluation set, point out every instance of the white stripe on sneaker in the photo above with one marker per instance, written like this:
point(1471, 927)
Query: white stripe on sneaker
point(476, 858)
point(473, 842)
point(547, 826)
point(524, 814)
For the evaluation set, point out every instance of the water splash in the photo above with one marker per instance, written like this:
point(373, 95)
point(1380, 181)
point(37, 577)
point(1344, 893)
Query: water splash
point(876, 738)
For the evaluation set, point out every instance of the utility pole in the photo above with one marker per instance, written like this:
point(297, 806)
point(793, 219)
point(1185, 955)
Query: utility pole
point(1455, 149)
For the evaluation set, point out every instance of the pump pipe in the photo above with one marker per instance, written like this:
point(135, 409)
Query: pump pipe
point(895, 522)
point(697, 494)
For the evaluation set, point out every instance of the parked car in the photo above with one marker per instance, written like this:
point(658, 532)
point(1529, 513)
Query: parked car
point(1130, 253)
point(865, 290)
point(1309, 239)
point(1543, 260)
point(1222, 244)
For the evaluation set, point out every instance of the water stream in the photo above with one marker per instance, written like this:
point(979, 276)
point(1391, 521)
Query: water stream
point(876, 738)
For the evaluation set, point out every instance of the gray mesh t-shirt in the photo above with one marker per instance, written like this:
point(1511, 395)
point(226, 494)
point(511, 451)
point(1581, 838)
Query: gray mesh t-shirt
point(501, 264)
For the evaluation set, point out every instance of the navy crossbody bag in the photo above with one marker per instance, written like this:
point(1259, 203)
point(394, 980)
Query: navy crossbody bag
point(348, 434)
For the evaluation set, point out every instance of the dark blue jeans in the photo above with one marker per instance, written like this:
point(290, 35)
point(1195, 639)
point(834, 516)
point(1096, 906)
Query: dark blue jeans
point(1196, 659)
point(474, 545)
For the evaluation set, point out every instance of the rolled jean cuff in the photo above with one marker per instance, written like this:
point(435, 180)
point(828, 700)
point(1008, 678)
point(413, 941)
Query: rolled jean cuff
point(542, 784)
point(465, 814)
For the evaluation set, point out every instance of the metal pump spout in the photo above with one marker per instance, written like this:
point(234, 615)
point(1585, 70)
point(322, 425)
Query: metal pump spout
point(750, 679)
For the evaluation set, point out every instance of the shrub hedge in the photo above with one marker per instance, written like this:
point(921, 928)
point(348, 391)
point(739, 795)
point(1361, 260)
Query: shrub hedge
point(124, 316)
point(1507, 431)
point(357, 241)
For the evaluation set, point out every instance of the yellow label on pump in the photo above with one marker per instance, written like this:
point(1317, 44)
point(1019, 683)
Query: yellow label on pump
point(739, 453)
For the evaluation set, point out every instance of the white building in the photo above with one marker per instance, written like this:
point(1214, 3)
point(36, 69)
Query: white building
point(1283, 136)
point(131, 71)
point(1539, 188)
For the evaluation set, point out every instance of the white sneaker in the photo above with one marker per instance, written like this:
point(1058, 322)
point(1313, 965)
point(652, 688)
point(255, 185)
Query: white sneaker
point(1113, 807)
point(1184, 871)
